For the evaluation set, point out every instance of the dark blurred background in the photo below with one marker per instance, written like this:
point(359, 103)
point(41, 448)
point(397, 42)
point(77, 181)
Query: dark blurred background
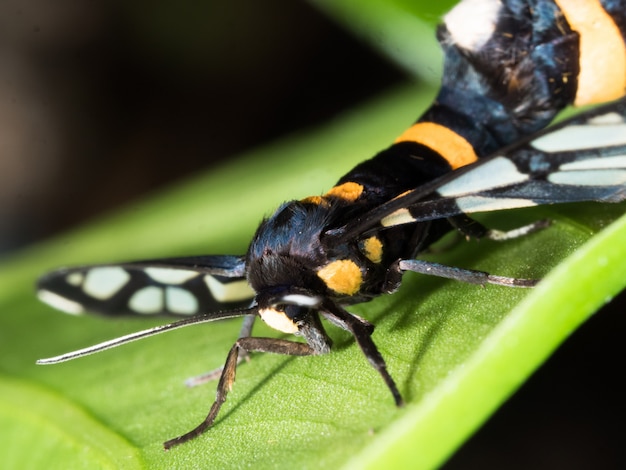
point(569, 415)
point(102, 102)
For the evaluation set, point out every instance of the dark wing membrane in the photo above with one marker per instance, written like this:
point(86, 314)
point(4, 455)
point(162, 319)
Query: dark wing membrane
point(171, 286)
point(580, 159)
point(221, 265)
point(570, 177)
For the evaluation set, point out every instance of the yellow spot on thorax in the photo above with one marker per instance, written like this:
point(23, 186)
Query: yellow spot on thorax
point(342, 276)
point(454, 148)
point(602, 59)
point(372, 248)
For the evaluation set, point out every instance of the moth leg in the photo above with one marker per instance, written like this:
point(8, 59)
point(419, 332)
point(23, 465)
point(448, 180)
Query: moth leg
point(227, 378)
point(500, 235)
point(362, 331)
point(470, 276)
point(471, 228)
point(246, 330)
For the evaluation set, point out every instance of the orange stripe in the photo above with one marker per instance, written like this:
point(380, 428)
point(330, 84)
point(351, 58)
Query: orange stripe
point(455, 149)
point(602, 51)
point(317, 200)
point(347, 191)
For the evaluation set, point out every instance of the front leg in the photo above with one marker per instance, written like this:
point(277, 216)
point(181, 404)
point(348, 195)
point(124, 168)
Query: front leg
point(246, 330)
point(242, 345)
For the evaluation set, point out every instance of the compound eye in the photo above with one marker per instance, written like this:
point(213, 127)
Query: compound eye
point(295, 312)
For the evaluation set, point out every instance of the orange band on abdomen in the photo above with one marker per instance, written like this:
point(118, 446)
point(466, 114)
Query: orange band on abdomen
point(455, 149)
point(602, 51)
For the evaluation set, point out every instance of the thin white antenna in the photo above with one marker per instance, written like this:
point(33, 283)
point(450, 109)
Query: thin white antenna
point(113, 343)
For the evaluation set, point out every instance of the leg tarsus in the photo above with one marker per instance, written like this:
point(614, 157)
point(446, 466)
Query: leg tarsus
point(499, 235)
point(471, 228)
point(227, 378)
point(470, 276)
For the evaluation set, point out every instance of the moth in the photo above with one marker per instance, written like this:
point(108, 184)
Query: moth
point(482, 146)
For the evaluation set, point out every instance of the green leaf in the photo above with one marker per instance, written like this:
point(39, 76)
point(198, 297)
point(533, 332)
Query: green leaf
point(456, 350)
point(39, 429)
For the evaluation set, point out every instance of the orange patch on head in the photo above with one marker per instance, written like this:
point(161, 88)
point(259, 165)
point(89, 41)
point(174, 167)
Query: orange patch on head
point(454, 148)
point(347, 191)
point(342, 276)
point(317, 200)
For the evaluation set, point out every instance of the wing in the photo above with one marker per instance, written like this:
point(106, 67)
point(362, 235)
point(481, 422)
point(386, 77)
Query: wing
point(170, 286)
point(580, 159)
